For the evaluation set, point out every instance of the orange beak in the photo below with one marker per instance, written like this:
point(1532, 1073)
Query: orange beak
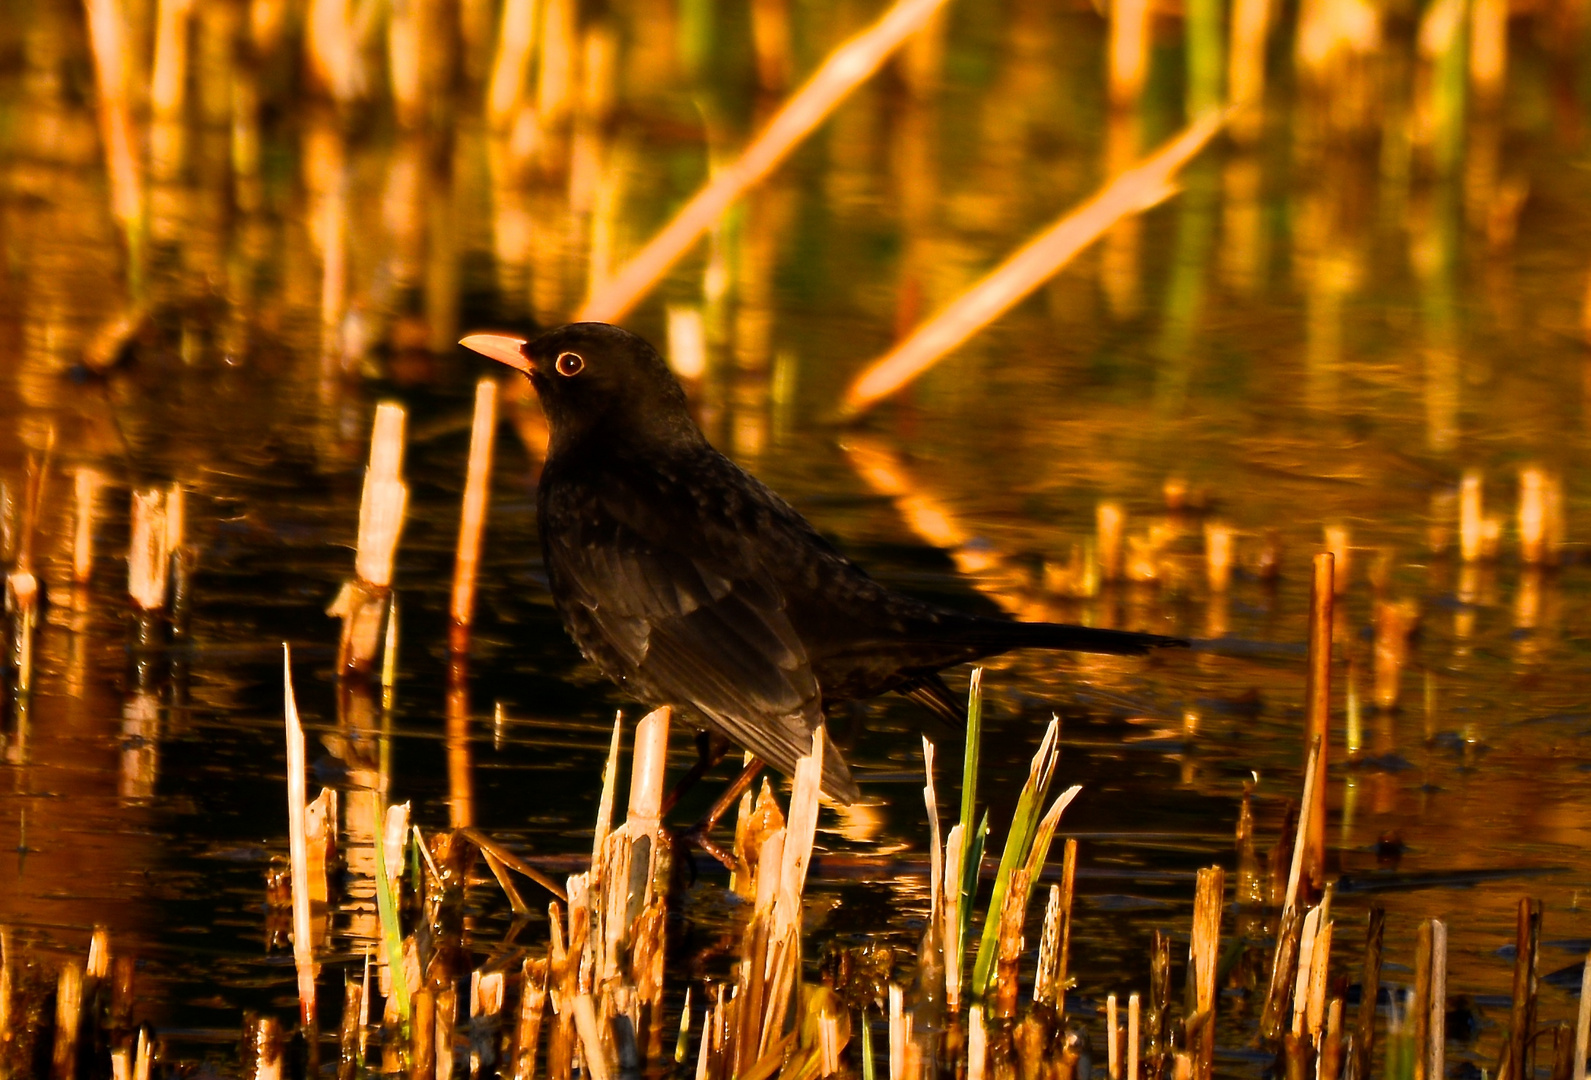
point(499, 347)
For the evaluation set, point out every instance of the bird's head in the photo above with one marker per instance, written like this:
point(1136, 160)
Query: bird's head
point(595, 379)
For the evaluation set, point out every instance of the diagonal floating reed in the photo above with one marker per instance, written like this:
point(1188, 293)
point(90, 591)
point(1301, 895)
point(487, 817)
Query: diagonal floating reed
point(846, 68)
point(1140, 188)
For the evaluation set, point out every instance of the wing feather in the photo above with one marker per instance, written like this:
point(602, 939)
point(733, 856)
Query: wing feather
point(705, 628)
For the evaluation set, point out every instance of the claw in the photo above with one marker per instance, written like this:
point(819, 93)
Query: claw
point(697, 837)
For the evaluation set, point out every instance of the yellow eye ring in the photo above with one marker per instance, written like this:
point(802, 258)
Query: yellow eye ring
point(569, 363)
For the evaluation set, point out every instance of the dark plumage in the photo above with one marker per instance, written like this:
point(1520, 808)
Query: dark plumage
point(690, 583)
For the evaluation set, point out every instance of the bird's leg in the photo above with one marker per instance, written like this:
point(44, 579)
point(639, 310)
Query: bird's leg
point(697, 835)
point(731, 795)
point(710, 750)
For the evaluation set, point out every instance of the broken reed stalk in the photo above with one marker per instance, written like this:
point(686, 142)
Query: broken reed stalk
point(1109, 523)
point(532, 1008)
point(1421, 1003)
point(1310, 1003)
point(1112, 1038)
point(1522, 1019)
point(87, 484)
point(1582, 1028)
point(1369, 990)
point(184, 558)
point(298, 848)
point(744, 1033)
point(1204, 955)
point(846, 68)
point(1470, 524)
point(8, 1009)
point(447, 1013)
point(1049, 981)
point(610, 780)
point(149, 552)
point(1284, 966)
point(1008, 946)
point(350, 1037)
point(22, 602)
point(1395, 622)
point(687, 341)
point(363, 602)
point(1063, 956)
point(1130, 192)
point(68, 1017)
point(1436, 1019)
point(936, 863)
point(1134, 1009)
point(1331, 1046)
point(1540, 517)
point(472, 522)
point(977, 1044)
point(384, 498)
point(899, 1034)
point(1218, 555)
point(1317, 713)
point(1157, 1021)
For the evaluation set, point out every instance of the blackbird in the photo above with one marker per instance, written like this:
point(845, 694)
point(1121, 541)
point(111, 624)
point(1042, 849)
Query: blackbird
point(690, 583)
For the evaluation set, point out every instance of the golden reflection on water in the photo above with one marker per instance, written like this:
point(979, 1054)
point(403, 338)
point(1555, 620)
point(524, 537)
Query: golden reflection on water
point(1323, 333)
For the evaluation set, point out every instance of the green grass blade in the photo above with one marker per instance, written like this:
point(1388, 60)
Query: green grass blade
point(969, 884)
point(867, 1047)
point(391, 932)
point(969, 765)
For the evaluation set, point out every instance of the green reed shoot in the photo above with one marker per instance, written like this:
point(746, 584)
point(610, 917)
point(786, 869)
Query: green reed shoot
point(1019, 845)
point(867, 1047)
point(973, 840)
point(391, 931)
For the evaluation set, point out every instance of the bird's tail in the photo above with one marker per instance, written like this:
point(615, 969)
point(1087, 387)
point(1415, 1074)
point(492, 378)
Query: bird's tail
point(997, 636)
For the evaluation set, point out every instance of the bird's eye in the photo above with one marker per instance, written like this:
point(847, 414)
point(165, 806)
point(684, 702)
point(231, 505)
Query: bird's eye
point(569, 363)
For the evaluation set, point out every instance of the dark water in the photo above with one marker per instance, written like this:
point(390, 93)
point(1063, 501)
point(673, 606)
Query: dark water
point(1312, 334)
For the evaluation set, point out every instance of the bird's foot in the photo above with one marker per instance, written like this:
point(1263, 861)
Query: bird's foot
point(697, 835)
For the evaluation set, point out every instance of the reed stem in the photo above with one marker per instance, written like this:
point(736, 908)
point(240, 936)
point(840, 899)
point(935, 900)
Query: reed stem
point(1436, 1021)
point(1134, 1009)
point(87, 487)
point(384, 500)
point(477, 489)
point(68, 1019)
point(1522, 1018)
point(1204, 955)
point(1582, 1027)
point(1317, 705)
point(298, 848)
point(1369, 990)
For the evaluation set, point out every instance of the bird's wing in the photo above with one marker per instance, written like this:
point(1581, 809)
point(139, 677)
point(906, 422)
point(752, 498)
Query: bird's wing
point(697, 621)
